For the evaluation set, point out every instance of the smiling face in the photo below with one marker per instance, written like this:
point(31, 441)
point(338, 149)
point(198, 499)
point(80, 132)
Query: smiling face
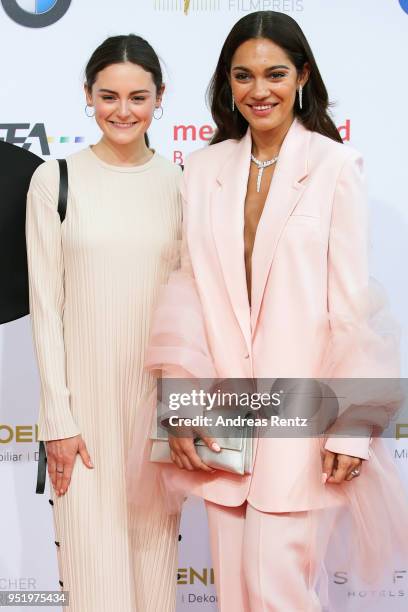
point(124, 96)
point(264, 83)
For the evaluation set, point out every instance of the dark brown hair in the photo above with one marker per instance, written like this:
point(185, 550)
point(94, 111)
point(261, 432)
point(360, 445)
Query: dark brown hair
point(287, 34)
point(125, 48)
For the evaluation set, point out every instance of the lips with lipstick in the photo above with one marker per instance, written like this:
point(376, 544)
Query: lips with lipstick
point(262, 110)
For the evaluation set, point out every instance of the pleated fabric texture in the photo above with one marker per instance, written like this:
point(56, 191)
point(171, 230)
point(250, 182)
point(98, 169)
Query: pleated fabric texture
point(94, 282)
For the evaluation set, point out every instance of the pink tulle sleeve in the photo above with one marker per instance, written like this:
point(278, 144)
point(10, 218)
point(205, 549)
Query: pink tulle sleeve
point(177, 348)
point(365, 529)
point(361, 362)
point(178, 342)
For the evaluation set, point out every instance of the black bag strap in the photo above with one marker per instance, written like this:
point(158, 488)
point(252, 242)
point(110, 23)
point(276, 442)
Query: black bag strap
point(63, 189)
point(42, 468)
point(62, 210)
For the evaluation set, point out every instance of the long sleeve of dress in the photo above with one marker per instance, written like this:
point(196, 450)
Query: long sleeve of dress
point(46, 291)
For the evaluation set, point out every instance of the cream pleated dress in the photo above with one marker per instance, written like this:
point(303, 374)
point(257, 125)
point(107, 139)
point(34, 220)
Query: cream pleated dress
point(94, 280)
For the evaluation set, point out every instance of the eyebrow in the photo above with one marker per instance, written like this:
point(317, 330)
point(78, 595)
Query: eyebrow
point(132, 93)
point(270, 67)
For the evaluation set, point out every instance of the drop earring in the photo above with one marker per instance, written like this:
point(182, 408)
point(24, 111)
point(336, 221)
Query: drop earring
point(233, 103)
point(300, 97)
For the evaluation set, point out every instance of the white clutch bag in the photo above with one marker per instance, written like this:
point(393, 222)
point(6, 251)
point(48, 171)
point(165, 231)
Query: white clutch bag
point(236, 443)
point(235, 455)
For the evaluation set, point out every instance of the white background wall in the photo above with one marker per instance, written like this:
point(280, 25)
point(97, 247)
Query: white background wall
point(361, 47)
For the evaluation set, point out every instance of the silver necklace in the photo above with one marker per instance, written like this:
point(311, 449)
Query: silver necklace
point(261, 165)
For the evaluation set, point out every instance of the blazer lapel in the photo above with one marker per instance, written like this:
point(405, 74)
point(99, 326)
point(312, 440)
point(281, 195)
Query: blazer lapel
point(284, 193)
point(227, 210)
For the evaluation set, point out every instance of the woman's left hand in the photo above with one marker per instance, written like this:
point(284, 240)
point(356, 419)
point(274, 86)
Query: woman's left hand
point(338, 468)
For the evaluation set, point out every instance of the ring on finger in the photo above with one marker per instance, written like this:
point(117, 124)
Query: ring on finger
point(355, 472)
point(60, 471)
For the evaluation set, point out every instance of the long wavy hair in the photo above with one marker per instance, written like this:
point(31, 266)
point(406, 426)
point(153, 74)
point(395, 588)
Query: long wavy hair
point(287, 34)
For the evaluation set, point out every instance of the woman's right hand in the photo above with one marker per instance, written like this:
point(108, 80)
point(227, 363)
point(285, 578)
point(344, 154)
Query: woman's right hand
point(61, 456)
point(184, 454)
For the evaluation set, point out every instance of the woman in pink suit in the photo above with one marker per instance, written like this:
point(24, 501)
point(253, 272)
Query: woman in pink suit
point(274, 256)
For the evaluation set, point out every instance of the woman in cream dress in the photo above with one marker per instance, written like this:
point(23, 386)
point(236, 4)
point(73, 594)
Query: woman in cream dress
point(93, 283)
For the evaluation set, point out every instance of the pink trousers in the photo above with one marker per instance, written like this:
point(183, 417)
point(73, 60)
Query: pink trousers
point(260, 560)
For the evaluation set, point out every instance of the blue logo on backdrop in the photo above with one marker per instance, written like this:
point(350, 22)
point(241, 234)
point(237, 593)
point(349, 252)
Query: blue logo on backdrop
point(404, 5)
point(35, 13)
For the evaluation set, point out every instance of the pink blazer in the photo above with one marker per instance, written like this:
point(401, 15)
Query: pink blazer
point(309, 263)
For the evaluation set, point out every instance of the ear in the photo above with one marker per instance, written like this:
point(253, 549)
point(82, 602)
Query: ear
point(88, 95)
point(304, 75)
point(159, 95)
